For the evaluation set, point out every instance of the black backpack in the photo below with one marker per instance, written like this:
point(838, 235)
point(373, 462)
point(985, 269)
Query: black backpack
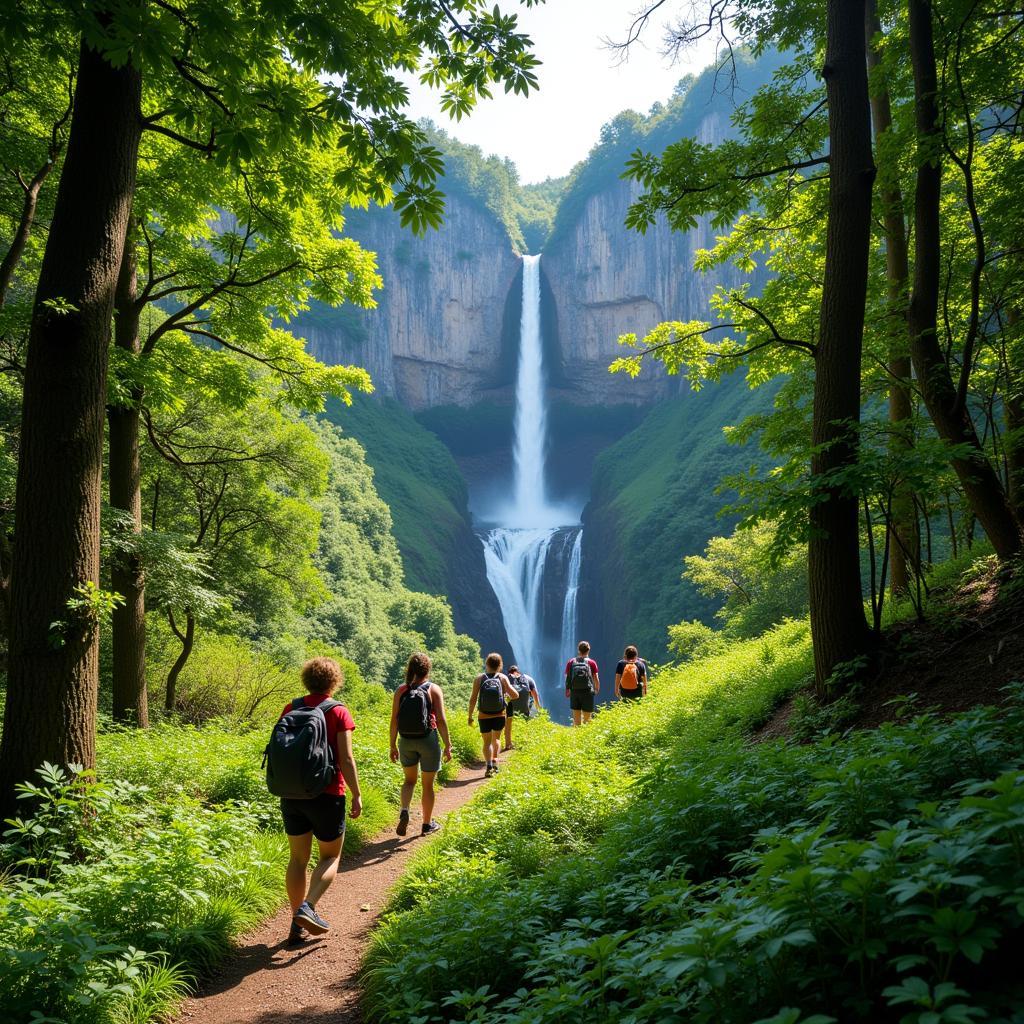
point(581, 679)
point(492, 696)
point(414, 708)
point(299, 759)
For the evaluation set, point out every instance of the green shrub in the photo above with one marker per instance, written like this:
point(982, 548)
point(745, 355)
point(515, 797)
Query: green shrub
point(692, 876)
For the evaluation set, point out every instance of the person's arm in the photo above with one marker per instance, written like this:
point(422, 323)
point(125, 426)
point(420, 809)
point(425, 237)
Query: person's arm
point(618, 687)
point(567, 667)
point(472, 699)
point(643, 676)
point(510, 690)
point(347, 767)
point(394, 727)
point(597, 678)
point(536, 695)
point(437, 698)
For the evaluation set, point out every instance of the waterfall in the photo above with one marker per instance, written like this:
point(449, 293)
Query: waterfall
point(518, 551)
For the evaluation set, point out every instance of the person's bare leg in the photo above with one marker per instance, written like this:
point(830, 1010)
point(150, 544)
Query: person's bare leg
point(299, 848)
point(508, 732)
point(576, 717)
point(587, 716)
point(325, 870)
point(427, 796)
point(496, 744)
point(486, 737)
point(408, 785)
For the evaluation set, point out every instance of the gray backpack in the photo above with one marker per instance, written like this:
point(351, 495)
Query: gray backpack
point(492, 696)
point(522, 685)
point(581, 679)
point(299, 758)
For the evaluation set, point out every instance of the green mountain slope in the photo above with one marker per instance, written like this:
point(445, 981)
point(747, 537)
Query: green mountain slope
point(419, 480)
point(653, 501)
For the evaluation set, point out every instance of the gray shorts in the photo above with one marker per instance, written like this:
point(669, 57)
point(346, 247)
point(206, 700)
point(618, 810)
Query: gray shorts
point(422, 750)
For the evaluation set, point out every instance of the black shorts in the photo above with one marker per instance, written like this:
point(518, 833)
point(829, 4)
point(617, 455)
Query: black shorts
point(581, 700)
point(632, 694)
point(491, 724)
point(324, 816)
point(513, 711)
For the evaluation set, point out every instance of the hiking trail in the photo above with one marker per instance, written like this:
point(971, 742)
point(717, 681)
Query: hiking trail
point(266, 982)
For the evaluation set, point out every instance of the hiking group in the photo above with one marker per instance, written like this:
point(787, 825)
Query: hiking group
point(311, 768)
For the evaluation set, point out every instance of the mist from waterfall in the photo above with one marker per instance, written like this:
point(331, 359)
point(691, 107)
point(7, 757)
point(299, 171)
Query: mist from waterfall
point(517, 552)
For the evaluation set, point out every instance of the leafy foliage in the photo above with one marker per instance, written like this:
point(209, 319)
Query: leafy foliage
point(875, 874)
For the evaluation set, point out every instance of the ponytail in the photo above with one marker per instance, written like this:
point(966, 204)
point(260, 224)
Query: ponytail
point(418, 668)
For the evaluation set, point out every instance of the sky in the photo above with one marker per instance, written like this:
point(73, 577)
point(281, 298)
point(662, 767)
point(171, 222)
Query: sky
point(583, 85)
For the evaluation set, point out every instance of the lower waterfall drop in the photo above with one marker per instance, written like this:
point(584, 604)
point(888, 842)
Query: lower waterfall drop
point(523, 559)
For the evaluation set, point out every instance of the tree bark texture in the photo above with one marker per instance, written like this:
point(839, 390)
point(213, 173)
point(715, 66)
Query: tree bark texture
point(978, 478)
point(904, 536)
point(53, 670)
point(128, 625)
point(12, 257)
point(839, 629)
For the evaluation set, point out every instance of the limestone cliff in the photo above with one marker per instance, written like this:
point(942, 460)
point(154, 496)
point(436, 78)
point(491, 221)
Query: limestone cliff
point(435, 336)
point(607, 281)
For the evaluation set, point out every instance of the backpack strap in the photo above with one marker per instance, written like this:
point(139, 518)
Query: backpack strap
point(299, 702)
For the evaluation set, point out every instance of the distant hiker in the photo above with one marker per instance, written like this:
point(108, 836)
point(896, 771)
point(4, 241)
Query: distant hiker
point(526, 687)
point(417, 716)
point(492, 689)
point(309, 762)
point(582, 683)
point(631, 676)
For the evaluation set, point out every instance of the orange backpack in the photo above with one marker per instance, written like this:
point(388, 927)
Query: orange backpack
point(630, 679)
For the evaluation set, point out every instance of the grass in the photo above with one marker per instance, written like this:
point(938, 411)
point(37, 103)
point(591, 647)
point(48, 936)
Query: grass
point(117, 895)
point(655, 866)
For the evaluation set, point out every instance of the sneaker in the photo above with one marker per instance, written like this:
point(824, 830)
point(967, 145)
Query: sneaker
point(403, 823)
point(430, 828)
point(496, 769)
point(489, 771)
point(296, 936)
point(306, 917)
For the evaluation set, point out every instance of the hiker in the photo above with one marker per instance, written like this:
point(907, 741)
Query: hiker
point(526, 687)
point(417, 716)
point(631, 676)
point(309, 765)
point(582, 684)
point(493, 689)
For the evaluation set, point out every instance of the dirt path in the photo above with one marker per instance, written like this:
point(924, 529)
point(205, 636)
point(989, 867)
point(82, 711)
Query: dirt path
point(268, 983)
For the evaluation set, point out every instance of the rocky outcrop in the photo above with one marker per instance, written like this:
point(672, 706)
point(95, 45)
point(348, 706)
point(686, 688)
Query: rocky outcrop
point(435, 337)
point(607, 281)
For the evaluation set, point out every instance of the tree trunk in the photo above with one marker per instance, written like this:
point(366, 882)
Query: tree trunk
point(128, 625)
point(1013, 405)
point(838, 627)
point(187, 641)
point(53, 669)
point(28, 215)
point(979, 480)
point(904, 537)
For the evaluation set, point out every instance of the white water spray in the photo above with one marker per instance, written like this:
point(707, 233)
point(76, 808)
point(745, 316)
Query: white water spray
point(517, 552)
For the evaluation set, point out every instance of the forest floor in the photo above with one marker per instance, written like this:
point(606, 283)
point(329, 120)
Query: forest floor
point(268, 982)
point(967, 650)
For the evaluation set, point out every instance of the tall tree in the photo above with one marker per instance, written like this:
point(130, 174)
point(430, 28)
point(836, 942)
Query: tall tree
point(53, 651)
point(838, 627)
point(946, 402)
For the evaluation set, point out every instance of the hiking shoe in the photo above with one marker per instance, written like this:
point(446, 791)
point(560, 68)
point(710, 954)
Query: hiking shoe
point(489, 771)
point(430, 828)
point(496, 769)
point(403, 823)
point(306, 917)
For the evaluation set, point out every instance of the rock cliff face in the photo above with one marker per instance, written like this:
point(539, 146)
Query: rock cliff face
point(435, 337)
point(607, 281)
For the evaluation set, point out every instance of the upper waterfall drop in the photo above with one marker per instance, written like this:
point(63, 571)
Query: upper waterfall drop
point(530, 424)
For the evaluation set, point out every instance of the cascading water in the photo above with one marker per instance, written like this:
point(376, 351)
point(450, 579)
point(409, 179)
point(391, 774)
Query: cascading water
point(519, 551)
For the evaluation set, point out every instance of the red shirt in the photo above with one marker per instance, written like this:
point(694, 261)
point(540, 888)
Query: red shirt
point(339, 719)
point(590, 662)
